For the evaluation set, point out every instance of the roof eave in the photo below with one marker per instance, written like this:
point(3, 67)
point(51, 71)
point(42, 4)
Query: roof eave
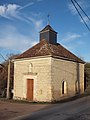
point(58, 57)
point(68, 59)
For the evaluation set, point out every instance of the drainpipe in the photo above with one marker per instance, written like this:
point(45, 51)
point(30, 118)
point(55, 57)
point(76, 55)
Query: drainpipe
point(78, 77)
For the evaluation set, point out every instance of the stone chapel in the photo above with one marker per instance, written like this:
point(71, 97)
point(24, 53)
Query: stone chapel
point(47, 72)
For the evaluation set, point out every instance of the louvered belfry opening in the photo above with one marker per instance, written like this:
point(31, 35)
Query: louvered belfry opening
point(49, 35)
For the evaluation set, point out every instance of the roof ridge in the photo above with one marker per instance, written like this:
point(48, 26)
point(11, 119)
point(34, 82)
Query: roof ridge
point(48, 45)
point(70, 52)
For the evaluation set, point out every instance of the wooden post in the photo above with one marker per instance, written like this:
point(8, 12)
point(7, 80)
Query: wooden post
point(8, 81)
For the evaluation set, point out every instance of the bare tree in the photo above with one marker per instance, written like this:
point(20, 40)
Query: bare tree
point(4, 74)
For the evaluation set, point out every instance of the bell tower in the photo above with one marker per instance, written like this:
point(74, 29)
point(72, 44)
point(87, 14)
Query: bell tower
point(49, 35)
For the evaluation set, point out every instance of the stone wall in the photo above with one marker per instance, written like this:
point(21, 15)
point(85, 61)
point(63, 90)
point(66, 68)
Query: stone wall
point(62, 70)
point(48, 74)
point(41, 73)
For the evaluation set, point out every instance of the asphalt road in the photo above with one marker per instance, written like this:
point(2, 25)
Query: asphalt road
point(74, 110)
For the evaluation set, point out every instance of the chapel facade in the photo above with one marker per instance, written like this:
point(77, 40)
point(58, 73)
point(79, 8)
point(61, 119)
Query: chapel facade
point(48, 72)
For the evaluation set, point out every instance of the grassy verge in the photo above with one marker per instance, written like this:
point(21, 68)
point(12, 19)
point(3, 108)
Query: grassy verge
point(53, 102)
point(72, 98)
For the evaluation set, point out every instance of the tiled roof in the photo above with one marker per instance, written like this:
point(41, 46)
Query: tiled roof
point(43, 48)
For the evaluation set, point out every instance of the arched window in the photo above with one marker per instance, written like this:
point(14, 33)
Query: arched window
point(30, 67)
point(64, 90)
point(76, 87)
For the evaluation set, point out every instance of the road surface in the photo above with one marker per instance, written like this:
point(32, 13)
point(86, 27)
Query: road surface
point(11, 109)
point(74, 110)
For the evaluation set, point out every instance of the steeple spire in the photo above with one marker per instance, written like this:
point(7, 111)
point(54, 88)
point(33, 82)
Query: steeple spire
point(48, 16)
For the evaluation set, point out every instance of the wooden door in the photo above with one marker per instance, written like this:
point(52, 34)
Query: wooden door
point(30, 89)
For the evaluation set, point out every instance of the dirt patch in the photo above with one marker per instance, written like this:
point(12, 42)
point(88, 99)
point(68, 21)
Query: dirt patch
point(10, 110)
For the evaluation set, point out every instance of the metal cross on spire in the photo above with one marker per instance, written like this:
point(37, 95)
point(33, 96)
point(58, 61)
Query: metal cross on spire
point(48, 16)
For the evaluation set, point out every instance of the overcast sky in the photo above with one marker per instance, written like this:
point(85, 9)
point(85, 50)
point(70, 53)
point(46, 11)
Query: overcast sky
point(21, 21)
